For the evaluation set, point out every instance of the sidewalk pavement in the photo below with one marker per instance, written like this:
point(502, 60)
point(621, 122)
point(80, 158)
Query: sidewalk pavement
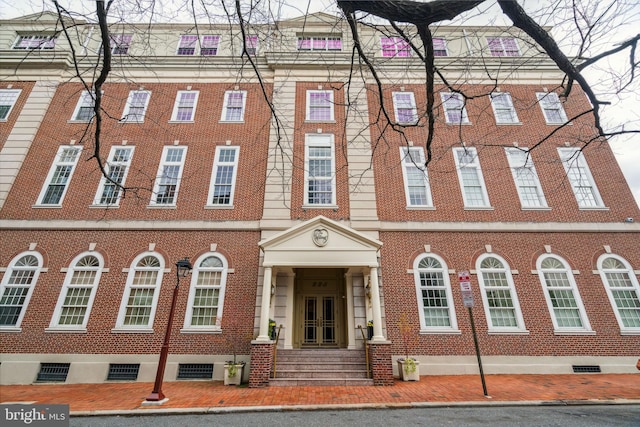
point(451, 390)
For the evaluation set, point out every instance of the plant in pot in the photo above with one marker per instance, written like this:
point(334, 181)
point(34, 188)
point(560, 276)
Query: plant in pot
point(408, 367)
point(233, 368)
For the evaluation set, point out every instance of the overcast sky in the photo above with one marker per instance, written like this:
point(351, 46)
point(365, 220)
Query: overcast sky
point(622, 111)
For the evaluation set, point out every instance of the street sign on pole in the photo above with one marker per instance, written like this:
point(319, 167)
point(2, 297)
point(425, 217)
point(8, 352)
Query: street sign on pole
point(465, 287)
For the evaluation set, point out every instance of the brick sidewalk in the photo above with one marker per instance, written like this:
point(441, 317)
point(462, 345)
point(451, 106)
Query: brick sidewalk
point(442, 389)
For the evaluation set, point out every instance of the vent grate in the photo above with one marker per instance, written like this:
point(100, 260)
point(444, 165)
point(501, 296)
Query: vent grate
point(123, 371)
point(54, 372)
point(192, 371)
point(585, 369)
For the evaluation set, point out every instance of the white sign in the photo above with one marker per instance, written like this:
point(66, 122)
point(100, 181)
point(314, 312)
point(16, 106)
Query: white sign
point(465, 287)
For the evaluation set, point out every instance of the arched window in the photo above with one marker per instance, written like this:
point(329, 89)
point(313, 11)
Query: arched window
point(17, 286)
point(435, 301)
point(499, 295)
point(561, 292)
point(206, 294)
point(140, 298)
point(623, 291)
point(77, 294)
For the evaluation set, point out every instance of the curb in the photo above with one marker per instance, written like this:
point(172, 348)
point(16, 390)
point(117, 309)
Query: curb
point(346, 407)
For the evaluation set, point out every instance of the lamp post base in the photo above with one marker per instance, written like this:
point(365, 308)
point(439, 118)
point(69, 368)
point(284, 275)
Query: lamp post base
point(156, 402)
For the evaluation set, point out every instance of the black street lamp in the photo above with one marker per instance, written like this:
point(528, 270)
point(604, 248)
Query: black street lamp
point(183, 267)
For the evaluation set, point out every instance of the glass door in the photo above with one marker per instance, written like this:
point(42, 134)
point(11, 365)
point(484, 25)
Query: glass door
point(319, 325)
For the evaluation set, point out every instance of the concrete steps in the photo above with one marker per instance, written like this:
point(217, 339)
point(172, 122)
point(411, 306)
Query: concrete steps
point(329, 367)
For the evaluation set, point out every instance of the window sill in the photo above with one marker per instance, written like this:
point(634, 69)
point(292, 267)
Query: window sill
point(440, 331)
point(231, 121)
point(630, 332)
point(508, 332)
point(201, 331)
point(47, 206)
point(104, 206)
point(594, 208)
point(479, 208)
point(319, 121)
point(577, 332)
point(214, 207)
point(122, 330)
point(162, 207)
point(459, 123)
point(181, 121)
point(421, 208)
point(536, 208)
point(319, 206)
point(57, 329)
point(509, 123)
point(130, 121)
point(10, 329)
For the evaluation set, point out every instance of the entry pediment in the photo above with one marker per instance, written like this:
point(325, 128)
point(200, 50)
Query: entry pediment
point(320, 242)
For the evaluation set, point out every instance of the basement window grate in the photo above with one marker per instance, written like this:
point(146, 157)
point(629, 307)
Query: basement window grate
point(123, 371)
point(53, 372)
point(192, 371)
point(585, 369)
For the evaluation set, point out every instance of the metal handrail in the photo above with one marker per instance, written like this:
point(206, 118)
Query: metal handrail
point(275, 351)
point(366, 351)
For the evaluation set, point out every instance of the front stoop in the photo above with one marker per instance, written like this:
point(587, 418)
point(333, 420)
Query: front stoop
point(314, 367)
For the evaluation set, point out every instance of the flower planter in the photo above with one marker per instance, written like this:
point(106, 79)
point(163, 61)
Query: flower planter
point(233, 373)
point(409, 371)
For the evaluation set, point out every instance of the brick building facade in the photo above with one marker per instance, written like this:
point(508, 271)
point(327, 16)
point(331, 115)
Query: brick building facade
point(320, 217)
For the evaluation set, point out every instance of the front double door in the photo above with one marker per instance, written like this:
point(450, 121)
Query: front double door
point(320, 308)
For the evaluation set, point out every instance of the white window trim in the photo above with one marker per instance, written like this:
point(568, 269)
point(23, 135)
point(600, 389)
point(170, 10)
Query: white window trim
point(5, 283)
point(563, 114)
point(463, 115)
point(413, 106)
point(634, 283)
point(531, 167)
point(85, 95)
point(586, 326)
point(403, 155)
point(331, 104)
point(453, 328)
point(312, 38)
point(52, 171)
point(188, 327)
point(55, 319)
point(103, 180)
point(504, 50)
point(446, 48)
point(322, 140)
point(520, 327)
point(507, 96)
point(212, 183)
point(159, 175)
point(17, 93)
point(125, 113)
point(120, 326)
point(572, 157)
point(115, 42)
point(223, 117)
point(475, 165)
point(49, 44)
point(176, 104)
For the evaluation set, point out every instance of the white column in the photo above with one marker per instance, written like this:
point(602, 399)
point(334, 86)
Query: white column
point(265, 305)
point(375, 305)
point(351, 322)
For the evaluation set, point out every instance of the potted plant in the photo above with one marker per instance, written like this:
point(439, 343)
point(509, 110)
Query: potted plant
point(369, 329)
point(233, 368)
point(408, 367)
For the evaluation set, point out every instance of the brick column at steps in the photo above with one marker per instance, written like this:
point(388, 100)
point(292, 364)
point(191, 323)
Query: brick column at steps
point(261, 363)
point(381, 363)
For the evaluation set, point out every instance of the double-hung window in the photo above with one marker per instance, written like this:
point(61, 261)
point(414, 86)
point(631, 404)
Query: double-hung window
point(404, 107)
point(526, 179)
point(561, 292)
point(454, 109)
point(251, 45)
point(474, 191)
point(188, 45)
point(320, 105)
point(233, 106)
point(84, 110)
point(395, 46)
point(209, 45)
point(223, 178)
point(8, 98)
point(184, 108)
point(503, 46)
point(439, 46)
point(503, 108)
point(416, 181)
point(435, 300)
point(59, 175)
point(165, 191)
point(551, 107)
point(35, 41)
point(501, 305)
point(17, 286)
point(623, 290)
point(206, 295)
point(319, 42)
point(110, 189)
point(136, 107)
point(78, 292)
point(319, 171)
point(580, 178)
point(120, 43)
point(140, 298)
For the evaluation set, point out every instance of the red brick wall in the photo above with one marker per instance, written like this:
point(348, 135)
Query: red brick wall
point(149, 138)
point(261, 363)
point(119, 249)
point(460, 251)
point(6, 127)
